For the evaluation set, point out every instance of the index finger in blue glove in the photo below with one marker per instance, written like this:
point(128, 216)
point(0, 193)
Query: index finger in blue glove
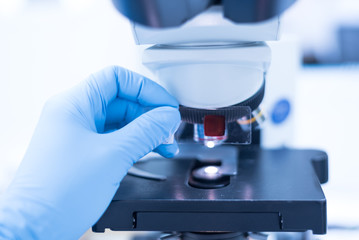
point(146, 133)
point(121, 112)
point(117, 82)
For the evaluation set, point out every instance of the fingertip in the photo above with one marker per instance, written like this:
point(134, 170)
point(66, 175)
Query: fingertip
point(149, 131)
point(167, 150)
point(169, 115)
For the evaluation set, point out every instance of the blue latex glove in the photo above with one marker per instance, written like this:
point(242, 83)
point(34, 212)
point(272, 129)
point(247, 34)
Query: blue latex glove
point(72, 168)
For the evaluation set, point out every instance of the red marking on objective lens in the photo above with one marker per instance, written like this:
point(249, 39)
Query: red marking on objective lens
point(214, 125)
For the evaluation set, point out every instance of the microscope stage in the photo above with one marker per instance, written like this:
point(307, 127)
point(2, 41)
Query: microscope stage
point(273, 191)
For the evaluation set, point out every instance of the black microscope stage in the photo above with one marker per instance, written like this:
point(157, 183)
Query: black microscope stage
point(273, 191)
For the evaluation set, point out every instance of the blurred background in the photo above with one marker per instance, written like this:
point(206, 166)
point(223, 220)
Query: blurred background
point(47, 46)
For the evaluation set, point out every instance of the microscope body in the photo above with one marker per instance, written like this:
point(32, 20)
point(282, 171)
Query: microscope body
point(222, 181)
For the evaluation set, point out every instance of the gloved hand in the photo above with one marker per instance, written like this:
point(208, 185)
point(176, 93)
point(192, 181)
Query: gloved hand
point(85, 141)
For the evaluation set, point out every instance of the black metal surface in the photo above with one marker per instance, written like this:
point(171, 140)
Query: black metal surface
point(274, 190)
point(171, 13)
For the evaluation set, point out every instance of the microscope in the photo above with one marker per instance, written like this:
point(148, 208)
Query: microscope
point(212, 56)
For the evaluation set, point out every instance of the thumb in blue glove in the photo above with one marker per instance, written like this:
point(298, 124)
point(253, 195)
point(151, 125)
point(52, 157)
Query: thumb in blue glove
point(86, 140)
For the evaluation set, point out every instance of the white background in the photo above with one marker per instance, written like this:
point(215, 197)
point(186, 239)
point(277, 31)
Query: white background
point(49, 46)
